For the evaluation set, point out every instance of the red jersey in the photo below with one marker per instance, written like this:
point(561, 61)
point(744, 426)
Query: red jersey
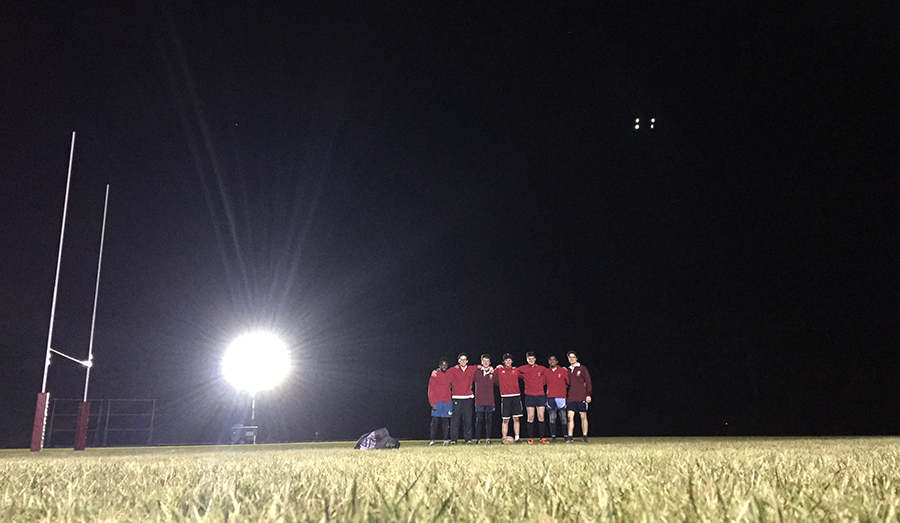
point(579, 383)
point(461, 381)
point(484, 387)
point(439, 387)
point(508, 380)
point(557, 382)
point(533, 375)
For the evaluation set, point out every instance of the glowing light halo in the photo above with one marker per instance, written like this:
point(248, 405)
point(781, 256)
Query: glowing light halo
point(255, 362)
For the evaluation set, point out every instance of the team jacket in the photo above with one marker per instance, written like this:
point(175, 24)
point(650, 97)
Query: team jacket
point(533, 376)
point(579, 383)
point(484, 388)
point(508, 380)
point(439, 387)
point(461, 381)
point(557, 382)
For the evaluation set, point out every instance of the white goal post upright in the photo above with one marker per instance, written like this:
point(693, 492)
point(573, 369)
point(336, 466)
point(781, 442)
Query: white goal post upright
point(84, 410)
point(90, 359)
point(62, 234)
point(40, 411)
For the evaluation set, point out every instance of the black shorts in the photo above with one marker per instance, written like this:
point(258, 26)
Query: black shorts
point(535, 401)
point(576, 406)
point(510, 406)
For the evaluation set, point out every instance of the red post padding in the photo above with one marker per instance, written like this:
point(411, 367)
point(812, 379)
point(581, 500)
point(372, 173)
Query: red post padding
point(81, 425)
point(40, 420)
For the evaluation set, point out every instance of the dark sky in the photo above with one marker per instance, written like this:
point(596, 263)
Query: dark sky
point(388, 184)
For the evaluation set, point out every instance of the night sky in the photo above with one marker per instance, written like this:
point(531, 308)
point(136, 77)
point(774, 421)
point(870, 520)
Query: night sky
point(385, 185)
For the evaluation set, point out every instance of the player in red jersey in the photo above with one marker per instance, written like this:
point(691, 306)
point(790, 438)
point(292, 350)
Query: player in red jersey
point(441, 403)
point(485, 380)
point(461, 378)
point(579, 395)
point(557, 388)
point(535, 399)
point(510, 402)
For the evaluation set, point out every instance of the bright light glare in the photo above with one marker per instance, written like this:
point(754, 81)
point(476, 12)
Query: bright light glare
point(636, 120)
point(652, 120)
point(256, 362)
point(637, 126)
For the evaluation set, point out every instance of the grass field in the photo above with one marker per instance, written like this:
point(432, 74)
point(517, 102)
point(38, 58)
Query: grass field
point(622, 479)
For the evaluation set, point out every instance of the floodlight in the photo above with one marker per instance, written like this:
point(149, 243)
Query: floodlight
point(255, 362)
point(637, 126)
point(652, 120)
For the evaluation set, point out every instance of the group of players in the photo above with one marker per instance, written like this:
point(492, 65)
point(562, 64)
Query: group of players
point(456, 392)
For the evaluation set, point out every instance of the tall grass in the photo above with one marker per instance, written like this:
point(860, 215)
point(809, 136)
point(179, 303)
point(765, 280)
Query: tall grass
point(607, 480)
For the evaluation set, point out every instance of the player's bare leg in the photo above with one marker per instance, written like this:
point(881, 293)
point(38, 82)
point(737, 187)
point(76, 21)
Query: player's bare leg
point(529, 413)
point(504, 427)
point(584, 425)
point(571, 416)
point(516, 426)
point(540, 418)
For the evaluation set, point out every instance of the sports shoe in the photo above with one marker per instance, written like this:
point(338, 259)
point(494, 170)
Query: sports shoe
point(531, 441)
point(584, 439)
point(431, 444)
point(470, 442)
point(544, 440)
point(477, 441)
point(487, 441)
point(446, 443)
point(553, 439)
point(453, 442)
point(569, 440)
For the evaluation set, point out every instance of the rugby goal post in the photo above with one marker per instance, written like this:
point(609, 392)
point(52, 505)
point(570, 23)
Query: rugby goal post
point(40, 412)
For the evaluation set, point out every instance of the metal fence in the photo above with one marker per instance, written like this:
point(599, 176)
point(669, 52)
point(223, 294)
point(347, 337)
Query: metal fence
point(112, 422)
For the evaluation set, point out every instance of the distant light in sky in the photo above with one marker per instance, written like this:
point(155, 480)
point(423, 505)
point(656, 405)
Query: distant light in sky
point(637, 123)
point(255, 362)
